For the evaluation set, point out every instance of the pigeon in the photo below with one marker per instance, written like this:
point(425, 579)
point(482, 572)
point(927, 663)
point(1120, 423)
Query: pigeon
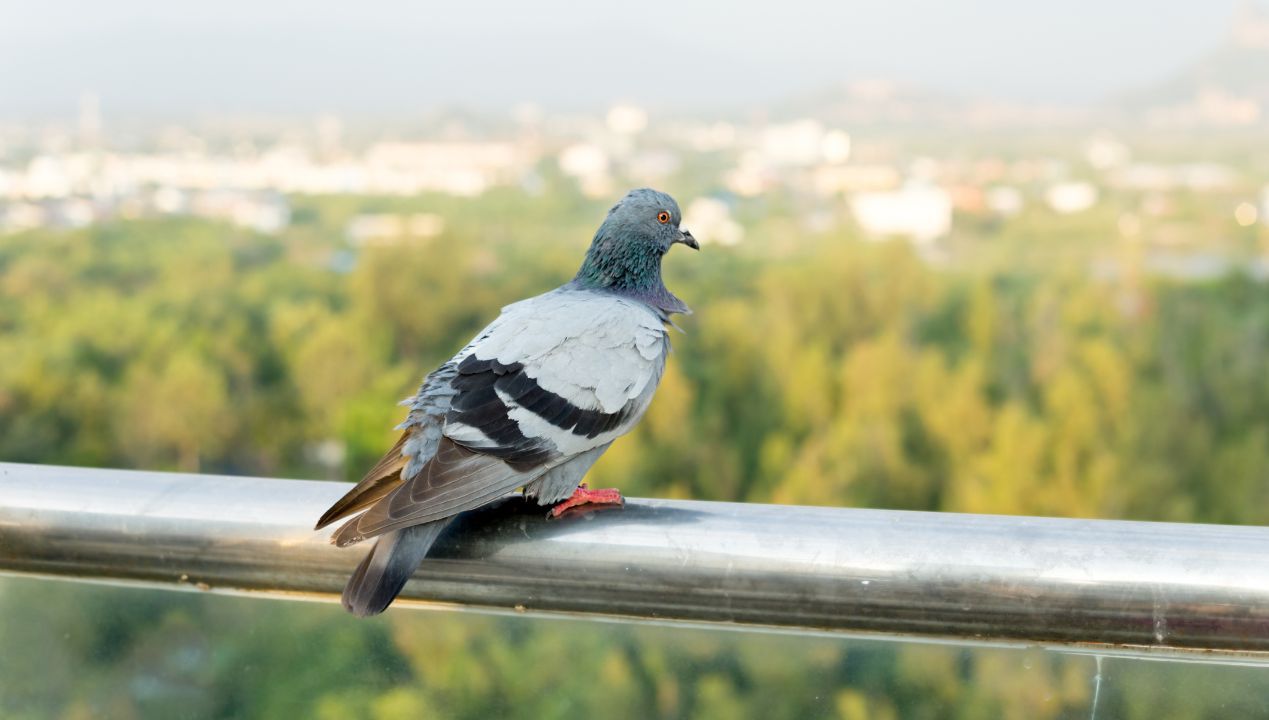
point(531, 403)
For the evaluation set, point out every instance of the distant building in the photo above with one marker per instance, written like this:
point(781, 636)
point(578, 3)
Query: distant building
point(76, 212)
point(803, 143)
point(457, 168)
point(267, 213)
point(1071, 197)
point(967, 198)
point(798, 153)
point(20, 216)
point(1103, 152)
point(589, 164)
point(1202, 177)
point(918, 211)
point(830, 180)
point(750, 177)
point(263, 212)
point(1004, 200)
point(710, 221)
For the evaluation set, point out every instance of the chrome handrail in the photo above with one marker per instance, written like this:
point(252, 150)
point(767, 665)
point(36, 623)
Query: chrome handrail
point(945, 575)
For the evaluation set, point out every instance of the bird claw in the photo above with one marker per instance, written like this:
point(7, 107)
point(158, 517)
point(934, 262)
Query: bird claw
point(585, 496)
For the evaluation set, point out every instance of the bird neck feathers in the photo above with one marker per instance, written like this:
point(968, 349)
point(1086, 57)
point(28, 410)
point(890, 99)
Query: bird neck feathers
point(627, 267)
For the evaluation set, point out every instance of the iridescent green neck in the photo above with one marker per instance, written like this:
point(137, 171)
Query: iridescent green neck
point(629, 268)
point(623, 266)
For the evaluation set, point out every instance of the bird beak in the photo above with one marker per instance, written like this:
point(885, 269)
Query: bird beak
point(687, 239)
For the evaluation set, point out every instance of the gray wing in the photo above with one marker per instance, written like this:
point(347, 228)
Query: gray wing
point(553, 378)
point(417, 444)
point(559, 482)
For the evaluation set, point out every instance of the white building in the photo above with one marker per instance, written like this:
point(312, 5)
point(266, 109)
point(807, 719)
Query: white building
point(1067, 198)
point(710, 222)
point(920, 212)
point(1103, 152)
point(1200, 177)
point(457, 168)
point(1004, 200)
point(831, 180)
point(589, 164)
point(803, 143)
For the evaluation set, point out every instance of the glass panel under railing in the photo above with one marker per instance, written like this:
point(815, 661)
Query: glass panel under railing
point(76, 650)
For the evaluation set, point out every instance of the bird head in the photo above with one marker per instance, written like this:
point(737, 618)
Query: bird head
point(625, 255)
point(646, 219)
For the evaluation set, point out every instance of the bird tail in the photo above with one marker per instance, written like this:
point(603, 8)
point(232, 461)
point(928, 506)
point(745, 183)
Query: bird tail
point(387, 567)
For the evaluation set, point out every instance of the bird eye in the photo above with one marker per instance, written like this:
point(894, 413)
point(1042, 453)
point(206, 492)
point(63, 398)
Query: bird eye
point(663, 217)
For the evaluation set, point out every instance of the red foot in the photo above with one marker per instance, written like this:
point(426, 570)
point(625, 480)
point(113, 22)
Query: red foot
point(585, 496)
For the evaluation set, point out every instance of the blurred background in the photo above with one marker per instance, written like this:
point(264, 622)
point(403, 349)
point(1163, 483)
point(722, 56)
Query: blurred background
point(981, 257)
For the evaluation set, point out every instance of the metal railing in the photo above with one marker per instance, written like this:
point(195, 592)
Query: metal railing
point(972, 577)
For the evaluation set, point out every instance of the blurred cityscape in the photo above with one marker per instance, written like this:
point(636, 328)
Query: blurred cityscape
point(890, 160)
point(912, 300)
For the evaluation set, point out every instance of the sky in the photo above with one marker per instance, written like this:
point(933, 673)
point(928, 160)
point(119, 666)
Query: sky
point(376, 57)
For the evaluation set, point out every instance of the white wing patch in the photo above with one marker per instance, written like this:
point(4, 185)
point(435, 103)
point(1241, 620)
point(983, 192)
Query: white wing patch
point(597, 351)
